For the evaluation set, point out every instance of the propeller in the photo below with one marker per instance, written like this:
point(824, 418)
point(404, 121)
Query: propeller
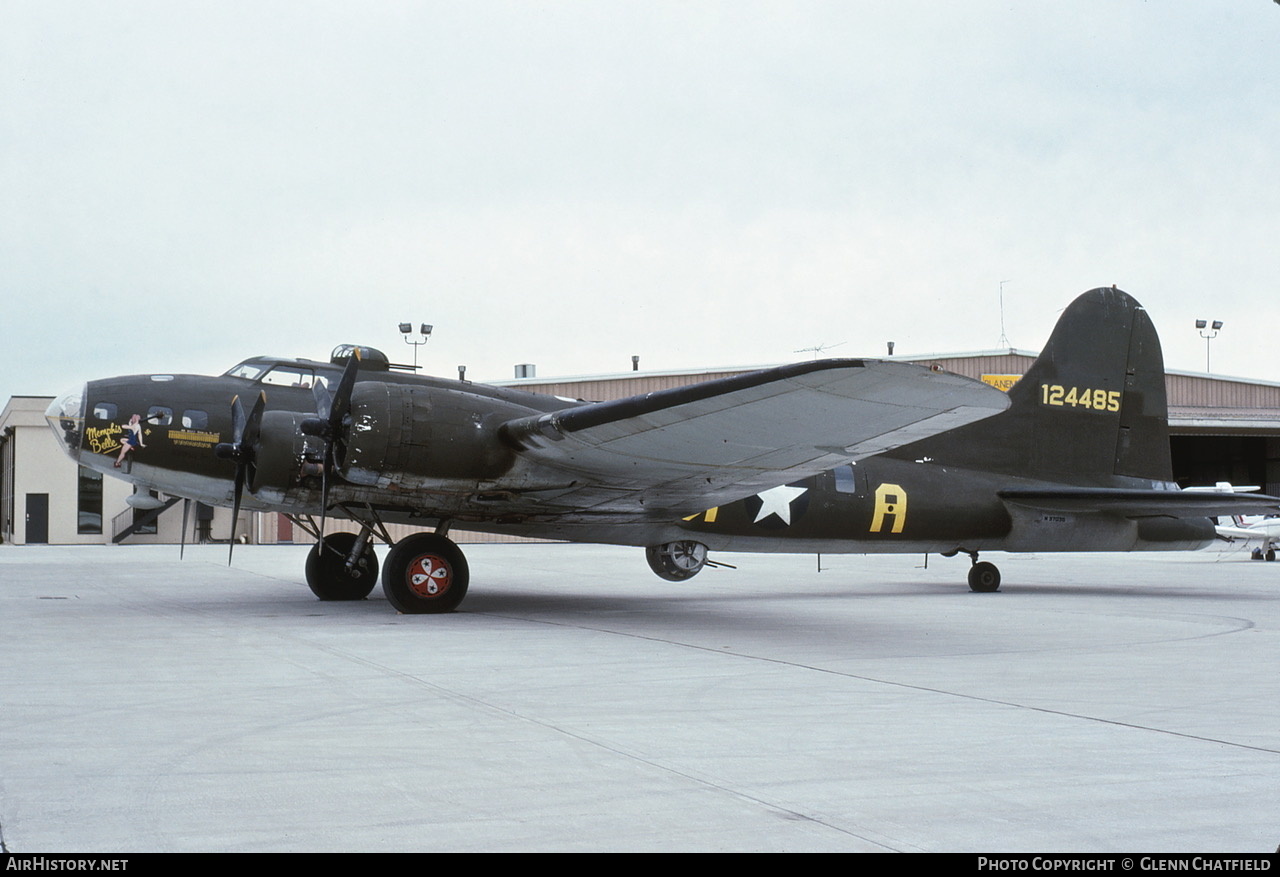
point(327, 425)
point(243, 449)
point(186, 513)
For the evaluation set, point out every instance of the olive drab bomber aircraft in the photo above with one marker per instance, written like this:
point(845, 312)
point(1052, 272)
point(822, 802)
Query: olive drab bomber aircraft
point(830, 456)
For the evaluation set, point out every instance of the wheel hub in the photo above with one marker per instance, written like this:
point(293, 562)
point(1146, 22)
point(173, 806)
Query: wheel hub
point(429, 576)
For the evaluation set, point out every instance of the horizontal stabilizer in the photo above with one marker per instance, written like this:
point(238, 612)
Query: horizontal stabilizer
point(1141, 503)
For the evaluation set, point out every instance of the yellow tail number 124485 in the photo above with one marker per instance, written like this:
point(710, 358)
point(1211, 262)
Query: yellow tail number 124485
point(1080, 397)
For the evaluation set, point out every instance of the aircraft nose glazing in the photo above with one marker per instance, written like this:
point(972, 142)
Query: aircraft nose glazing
point(66, 418)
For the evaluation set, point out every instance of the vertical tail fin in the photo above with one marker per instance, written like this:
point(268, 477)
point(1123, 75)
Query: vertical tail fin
point(1091, 410)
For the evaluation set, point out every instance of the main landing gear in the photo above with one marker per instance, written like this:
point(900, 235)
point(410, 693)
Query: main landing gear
point(1259, 555)
point(342, 567)
point(424, 573)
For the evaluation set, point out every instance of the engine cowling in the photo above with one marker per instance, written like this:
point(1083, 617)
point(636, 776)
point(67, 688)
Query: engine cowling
point(279, 451)
point(417, 437)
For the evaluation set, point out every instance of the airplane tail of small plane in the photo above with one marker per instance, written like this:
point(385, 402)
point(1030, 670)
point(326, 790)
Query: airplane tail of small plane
point(1091, 410)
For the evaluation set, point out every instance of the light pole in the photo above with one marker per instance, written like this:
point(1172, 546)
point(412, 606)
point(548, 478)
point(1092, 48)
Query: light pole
point(406, 329)
point(1208, 332)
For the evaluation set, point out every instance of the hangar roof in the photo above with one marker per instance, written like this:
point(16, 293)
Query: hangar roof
point(1199, 403)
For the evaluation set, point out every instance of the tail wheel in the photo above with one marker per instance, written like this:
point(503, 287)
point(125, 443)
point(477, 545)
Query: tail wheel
point(425, 574)
point(677, 561)
point(984, 577)
point(327, 573)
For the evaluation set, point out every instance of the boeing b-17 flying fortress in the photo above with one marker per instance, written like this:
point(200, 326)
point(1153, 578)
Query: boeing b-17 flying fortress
point(831, 456)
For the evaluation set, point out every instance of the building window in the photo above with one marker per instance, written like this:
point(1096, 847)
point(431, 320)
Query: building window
point(89, 503)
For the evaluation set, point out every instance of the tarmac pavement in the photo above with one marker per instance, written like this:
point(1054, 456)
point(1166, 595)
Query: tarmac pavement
point(1123, 703)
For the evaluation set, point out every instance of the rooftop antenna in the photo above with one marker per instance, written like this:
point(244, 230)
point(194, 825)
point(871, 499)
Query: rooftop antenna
point(1004, 339)
point(818, 348)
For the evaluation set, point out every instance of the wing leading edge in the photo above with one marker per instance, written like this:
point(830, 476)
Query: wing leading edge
point(711, 443)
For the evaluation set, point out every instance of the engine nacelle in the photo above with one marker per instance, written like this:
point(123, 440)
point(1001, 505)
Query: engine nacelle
point(424, 437)
point(279, 452)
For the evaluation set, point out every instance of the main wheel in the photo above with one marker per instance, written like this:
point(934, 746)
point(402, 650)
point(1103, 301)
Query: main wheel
point(677, 561)
point(984, 577)
point(425, 573)
point(327, 573)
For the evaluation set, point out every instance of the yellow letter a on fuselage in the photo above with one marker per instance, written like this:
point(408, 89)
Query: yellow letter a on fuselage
point(891, 500)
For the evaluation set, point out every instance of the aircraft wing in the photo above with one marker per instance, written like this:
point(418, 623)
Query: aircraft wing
point(1141, 503)
point(689, 448)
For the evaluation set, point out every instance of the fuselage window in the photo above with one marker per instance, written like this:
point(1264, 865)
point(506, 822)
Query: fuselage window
point(105, 411)
point(846, 482)
point(158, 415)
point(195, 419)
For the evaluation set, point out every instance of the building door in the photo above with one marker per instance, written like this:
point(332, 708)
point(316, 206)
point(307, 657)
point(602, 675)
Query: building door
point(37, 518)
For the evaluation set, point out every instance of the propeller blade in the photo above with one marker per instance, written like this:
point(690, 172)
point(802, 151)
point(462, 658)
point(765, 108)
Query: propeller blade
point(342, 396)
point(245, 432)
point(235, 512)
point(320, 393)
point(182, 544)
point(237, 420)
point(249, 444)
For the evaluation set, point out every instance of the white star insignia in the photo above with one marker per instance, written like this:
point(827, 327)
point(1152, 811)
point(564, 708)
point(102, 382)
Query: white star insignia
point(777, 501)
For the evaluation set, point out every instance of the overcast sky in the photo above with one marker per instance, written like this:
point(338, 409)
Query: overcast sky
point(186, 184)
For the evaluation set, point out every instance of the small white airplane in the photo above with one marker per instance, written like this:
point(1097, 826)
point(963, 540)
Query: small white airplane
point(1264, 530)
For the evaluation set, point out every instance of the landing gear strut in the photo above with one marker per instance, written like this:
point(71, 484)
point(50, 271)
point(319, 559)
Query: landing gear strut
point(331, 573)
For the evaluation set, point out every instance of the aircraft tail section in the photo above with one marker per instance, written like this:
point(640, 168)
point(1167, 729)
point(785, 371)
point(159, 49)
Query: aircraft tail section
point(1090, 411)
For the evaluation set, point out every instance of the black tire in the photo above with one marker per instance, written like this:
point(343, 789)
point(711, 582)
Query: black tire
point(425, 574)
point(984, 577)
point(327, 573)
point(1271, 554)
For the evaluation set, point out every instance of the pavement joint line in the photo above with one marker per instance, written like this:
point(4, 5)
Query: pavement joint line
point(924, 688)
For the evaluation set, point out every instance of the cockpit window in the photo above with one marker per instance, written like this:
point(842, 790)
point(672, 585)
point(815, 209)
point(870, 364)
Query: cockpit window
point(292, 376)
point(248, 370)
